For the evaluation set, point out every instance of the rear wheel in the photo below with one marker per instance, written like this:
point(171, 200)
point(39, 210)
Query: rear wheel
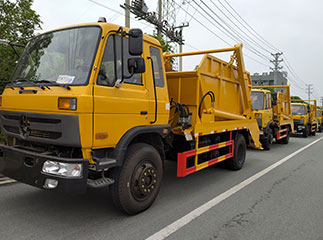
point(137, 182)
point(240, 147)
point(314, 133)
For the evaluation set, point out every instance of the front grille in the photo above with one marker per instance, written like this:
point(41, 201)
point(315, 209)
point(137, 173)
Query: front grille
point(45, 120)
point(11, 129)
point(45, 134)
point(11, 117)
point(297, 121)
point(57, 129)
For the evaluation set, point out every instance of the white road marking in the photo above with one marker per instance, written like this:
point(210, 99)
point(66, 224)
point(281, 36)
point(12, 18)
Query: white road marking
point(173, 227)
point(7, 181)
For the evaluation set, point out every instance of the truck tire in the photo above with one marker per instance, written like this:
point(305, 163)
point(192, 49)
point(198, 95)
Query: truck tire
point(266, 143)
point(314, 133)
point(305, 132)
point(320, 128)
point(285, 140)
point(137, 182)
point(240, 148)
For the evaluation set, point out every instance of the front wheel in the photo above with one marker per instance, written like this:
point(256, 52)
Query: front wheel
point(285, 140)
point(314, 133)
point(305, 132)
point(137, 182)
point(266, 143)
point(240, 147)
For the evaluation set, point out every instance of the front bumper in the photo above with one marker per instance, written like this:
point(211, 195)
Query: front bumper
point(26, 167)
point(299, 128)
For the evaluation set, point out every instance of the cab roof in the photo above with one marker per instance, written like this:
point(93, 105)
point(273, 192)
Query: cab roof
point(106, 27)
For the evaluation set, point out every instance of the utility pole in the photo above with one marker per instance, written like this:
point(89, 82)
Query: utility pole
point(159, 17)
point(180, 68)
point(140, 10)
point(309, 90)
point(276, 61)
point(127, 15)
point(321, 99)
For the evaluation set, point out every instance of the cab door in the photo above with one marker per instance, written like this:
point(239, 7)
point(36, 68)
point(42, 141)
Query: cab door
point(117, 109)
point(268, 112)
point(159, 102)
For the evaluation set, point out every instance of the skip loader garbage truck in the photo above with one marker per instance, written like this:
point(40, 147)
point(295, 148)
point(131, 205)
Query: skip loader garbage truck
point(273, 114)
point(91, 105)
point(319, 119)
point(304, 117)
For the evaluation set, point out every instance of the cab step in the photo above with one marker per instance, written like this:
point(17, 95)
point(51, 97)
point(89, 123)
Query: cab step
point(98, 183)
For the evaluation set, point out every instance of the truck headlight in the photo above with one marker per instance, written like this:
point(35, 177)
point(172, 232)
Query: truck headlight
point(63, 169)
point(258, 115)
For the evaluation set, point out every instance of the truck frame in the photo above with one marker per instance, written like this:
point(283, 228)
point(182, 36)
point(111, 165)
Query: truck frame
point(305, 121)
point(274, 115)
point(111, 114)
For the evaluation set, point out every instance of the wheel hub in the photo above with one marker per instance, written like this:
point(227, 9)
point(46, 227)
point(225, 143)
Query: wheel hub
point(144, 182)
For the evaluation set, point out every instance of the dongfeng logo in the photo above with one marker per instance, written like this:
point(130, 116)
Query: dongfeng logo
point(24, 125)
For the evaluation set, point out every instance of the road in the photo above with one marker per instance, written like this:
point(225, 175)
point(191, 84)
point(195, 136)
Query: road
point(283, 203)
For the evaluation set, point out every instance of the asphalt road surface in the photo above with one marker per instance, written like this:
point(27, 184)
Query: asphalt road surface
point(277, 195)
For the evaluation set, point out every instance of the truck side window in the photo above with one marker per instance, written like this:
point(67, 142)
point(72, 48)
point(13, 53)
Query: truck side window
point(267, 101)
point(110, 69)
point(158, 69)
point(107, 70)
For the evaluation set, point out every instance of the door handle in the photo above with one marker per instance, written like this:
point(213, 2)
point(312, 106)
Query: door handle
point(143, 113)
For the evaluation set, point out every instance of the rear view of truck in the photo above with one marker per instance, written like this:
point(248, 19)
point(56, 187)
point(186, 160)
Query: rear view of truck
point(304, 117)
point(273, 113)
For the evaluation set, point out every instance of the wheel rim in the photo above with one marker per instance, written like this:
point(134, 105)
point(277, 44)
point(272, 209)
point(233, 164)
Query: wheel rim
point(144, 180)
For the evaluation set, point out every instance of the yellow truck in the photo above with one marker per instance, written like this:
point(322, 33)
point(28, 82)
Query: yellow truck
point(91, 105)
point(273, 114)
point(304, 117)
point(319, 118)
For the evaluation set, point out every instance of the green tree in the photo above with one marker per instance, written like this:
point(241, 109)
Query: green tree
point(297, 98)
point(17, 21)
point(166, 45)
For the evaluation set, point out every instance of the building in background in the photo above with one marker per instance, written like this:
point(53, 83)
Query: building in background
point(271, 78)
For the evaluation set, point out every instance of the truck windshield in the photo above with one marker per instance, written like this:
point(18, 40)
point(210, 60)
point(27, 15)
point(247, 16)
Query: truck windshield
point(298, 109)
point(257, 99)
point(60, 57)
point(318, 113)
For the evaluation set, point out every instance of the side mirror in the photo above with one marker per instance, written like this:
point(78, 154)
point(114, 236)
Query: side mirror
point(308, 109)
point(136, 65)
point(135, 42)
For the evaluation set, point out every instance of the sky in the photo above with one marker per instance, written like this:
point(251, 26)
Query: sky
point(293, 27)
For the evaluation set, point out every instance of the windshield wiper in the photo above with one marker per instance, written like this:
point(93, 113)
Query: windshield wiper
point(52, 83)
point(26, 80)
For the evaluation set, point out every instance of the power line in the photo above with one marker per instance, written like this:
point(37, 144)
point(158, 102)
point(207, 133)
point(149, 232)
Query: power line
point(253, 31)
point(225, 31)
point(111, 9)
point(212, 32)
point(241, 30)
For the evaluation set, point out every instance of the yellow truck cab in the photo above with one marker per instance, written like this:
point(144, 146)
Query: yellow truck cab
point(91, 105)
point(319, 119)
point(304, 117)
point(273, 114)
